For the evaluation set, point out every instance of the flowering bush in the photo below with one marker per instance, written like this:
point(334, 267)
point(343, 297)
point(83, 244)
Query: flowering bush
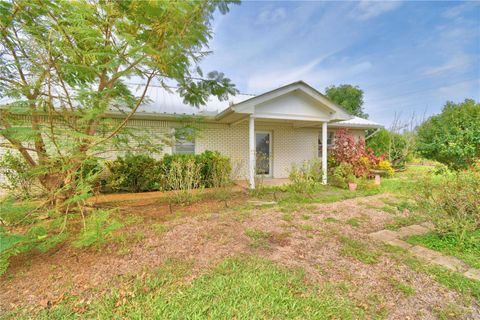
point(350, 150)
point(386, 166)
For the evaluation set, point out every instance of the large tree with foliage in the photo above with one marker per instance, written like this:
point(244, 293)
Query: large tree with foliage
point(453, 136)
point(64, 66)
point(64, 69)
point(349, 97)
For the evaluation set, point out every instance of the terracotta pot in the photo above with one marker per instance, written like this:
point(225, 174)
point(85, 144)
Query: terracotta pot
point(352, 186)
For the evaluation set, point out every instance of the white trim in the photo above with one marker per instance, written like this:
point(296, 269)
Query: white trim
point(251, 153)
point(270, 150)
point(324, 151)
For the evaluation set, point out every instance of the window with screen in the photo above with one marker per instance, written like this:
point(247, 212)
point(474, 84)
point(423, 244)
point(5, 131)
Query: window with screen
point(184, 141)
point(330, 137)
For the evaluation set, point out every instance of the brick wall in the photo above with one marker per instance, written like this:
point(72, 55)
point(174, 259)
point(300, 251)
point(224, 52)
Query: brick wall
point(289, 145)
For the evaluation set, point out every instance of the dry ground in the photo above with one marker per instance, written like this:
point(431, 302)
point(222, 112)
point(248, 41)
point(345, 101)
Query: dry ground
point(314, 237)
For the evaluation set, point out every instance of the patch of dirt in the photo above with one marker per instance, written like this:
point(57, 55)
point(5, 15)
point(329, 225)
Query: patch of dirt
point(207, 233)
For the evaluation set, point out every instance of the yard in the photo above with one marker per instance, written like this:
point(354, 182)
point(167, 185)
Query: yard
point(268, 254)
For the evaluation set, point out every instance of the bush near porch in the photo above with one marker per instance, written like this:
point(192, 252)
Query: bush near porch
point(351, 161)
point(139, 173)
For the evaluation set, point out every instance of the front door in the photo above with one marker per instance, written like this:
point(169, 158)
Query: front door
point(263, 152)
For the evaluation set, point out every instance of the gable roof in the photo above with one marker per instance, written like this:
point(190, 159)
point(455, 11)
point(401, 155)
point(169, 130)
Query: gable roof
point(247, 106)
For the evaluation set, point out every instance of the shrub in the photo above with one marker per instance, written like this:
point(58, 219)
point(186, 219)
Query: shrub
point(342, 175)
point(216, 169)
point(134, 173)
point(393, 145)
point(453, 136)
point(349, 150)
point(305, 177)
point(452, 202)
point(386, 166)
point(183, 173)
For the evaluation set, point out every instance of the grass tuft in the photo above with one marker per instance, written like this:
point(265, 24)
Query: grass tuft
point(358, 250)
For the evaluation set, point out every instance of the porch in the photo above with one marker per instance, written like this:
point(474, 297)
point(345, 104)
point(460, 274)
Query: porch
point(296, 106)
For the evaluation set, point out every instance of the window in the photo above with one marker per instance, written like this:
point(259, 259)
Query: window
point(330, 138)
point(184, 141)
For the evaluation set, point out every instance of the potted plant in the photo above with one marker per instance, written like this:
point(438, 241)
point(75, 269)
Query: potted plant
point(352, 182)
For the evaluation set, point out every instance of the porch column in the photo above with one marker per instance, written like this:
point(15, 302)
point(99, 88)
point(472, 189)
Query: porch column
point(324, 152)
point(251, 154)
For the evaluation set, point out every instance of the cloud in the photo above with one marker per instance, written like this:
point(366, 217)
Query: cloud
point(371, 9)
point(458, 11)
point(269, 16)
point(311, 72)
point(456, 63)
point(263, 81)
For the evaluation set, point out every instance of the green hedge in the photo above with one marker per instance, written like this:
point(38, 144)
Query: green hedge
point(140, 173)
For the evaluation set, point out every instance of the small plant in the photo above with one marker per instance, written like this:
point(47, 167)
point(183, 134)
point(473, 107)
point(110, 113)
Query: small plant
point(386, 166)
point(98, 227)
point(342, 174)
point(305, 178)
point(259, 238)
point(358, 250)
point(402, 287)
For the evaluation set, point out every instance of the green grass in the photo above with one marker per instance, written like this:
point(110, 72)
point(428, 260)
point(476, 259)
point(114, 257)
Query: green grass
point(402, 287)
point(331, 219)
point(354, 222)
point(259, 238)
point(358, 250)
point(160, 227)
point(447, 278)
point(468, 251)
point(250, 288)
point(287, 216)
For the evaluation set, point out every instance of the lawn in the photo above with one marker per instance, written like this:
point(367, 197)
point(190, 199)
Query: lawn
point(294, 257)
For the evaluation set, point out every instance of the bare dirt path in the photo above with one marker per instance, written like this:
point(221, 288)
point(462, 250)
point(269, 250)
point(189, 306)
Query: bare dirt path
point(329, 241)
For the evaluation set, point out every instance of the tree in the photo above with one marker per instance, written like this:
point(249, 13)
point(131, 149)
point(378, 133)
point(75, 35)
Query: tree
point(65, 66)
point(453, 136)
point(349, 97)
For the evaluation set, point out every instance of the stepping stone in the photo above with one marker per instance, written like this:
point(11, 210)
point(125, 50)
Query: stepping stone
point(412, 230)
point(399, 243)
point(262, 203)
point(428, 225)
point(450, 263)
point(384, 235)
point(473, 274)
point(424, 253)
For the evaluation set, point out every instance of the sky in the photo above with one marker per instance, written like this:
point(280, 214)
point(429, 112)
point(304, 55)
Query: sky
point(408, 57)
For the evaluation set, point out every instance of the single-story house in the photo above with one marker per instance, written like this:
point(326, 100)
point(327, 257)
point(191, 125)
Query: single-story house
point(287, 125)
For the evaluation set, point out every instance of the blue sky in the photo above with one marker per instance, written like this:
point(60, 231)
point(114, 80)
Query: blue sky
point(408, 57)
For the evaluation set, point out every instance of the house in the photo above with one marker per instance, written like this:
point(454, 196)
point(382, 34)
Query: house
point(287, 125)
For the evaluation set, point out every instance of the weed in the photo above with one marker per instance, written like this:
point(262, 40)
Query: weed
point(160, 227)
point(354, 222)
point(402, 287)
point(287, 217)
point(259, 238)
point(358, 250)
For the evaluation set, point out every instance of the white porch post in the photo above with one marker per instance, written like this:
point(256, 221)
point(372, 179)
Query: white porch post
point(324, 152)
point(251, 154)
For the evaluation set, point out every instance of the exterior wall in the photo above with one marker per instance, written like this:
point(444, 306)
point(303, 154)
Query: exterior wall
point(289, 145)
